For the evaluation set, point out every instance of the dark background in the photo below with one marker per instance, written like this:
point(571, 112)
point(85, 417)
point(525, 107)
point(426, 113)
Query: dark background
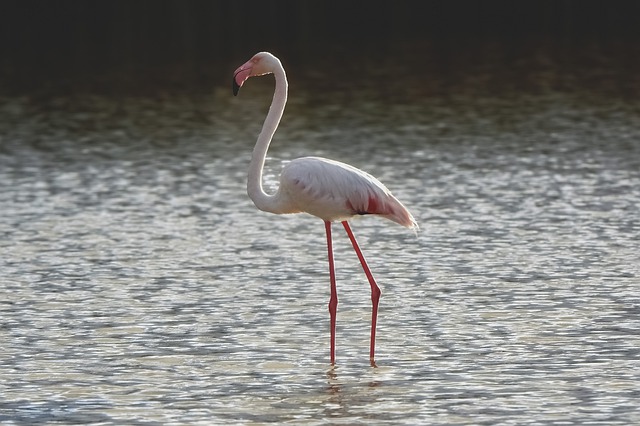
point(131, 45)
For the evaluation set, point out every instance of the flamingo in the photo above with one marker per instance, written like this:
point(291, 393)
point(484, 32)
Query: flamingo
point(328, 189)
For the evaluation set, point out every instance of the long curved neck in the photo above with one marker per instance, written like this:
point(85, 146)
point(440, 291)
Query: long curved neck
point(261, 199)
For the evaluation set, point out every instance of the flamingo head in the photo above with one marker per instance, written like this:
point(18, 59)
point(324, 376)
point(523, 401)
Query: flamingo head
point(260, 64)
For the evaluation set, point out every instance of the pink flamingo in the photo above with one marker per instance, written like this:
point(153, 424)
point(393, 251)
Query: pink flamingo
point(328, 189)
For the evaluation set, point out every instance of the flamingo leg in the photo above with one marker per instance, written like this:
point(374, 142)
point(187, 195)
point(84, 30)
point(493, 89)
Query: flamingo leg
point(333, 301)
point(375, 291)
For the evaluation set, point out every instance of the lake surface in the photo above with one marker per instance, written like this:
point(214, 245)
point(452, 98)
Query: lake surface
point(141, 286)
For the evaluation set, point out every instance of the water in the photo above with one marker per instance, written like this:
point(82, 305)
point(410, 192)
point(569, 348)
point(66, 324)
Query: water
point(141, 286)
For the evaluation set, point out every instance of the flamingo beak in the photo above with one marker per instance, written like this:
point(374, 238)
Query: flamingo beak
point(239, 77)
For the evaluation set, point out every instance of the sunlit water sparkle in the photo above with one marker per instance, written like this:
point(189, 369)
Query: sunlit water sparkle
point(141, 286)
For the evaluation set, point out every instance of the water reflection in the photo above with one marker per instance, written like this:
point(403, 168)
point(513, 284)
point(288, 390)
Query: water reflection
point(140, 284)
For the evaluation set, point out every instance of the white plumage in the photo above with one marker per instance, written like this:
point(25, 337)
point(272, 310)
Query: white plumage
point(336, 191)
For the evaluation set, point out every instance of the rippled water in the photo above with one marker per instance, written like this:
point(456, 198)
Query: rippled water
point(141, 286)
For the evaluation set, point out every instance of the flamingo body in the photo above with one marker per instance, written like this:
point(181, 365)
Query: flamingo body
point(335, 191)
point(328, 189)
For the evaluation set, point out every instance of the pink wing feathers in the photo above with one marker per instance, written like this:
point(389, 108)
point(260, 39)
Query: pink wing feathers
point(334, 191)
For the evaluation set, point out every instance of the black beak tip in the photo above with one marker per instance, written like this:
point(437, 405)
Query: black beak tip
point(236, 88)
